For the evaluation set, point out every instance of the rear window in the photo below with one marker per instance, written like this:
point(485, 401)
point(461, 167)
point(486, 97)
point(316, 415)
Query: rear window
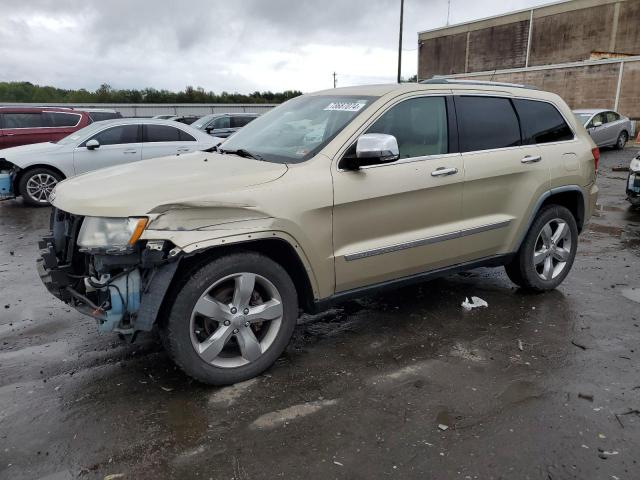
point(99, 116)
point(164, 133)
point(486, 123)
point(23, 120)
point(541, 122)
point(239, 122)
point(60, 119)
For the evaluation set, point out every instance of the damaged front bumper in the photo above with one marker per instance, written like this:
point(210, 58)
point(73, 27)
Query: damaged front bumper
point(633, 187)
point(8, 173)
point(123, 291)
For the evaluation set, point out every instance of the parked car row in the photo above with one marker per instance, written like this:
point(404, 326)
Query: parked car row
point(32, 171)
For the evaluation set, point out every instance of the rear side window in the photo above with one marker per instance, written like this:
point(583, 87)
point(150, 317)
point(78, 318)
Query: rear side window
point(541, 122)
point(221, 122)
point(612, 117)
point(23, 120)
point(59, 119)
point(485, 123)
point(161, 133)
point(419, 125)
point(119, 135)
point(99, 116)
point(239, 122)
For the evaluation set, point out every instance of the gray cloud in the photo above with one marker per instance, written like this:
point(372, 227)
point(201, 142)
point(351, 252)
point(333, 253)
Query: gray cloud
point(234, 46)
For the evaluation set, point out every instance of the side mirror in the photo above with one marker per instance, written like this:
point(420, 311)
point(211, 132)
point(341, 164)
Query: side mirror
point(373, 149)
point(92, 144)
point(597, 123)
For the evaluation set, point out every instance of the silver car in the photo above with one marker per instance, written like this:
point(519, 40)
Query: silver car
point(606, 127)
point(31, 171)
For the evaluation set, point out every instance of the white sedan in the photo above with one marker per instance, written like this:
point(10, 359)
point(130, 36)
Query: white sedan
point(33, 170)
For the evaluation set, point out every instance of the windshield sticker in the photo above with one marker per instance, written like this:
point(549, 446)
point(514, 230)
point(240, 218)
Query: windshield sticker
point(345, 106)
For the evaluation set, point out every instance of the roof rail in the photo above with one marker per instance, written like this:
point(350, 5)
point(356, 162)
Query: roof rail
point(445, 81)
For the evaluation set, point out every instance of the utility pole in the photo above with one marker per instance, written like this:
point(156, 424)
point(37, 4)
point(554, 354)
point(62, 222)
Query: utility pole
point(400, 41)
point(448, 11)
point(334, 80)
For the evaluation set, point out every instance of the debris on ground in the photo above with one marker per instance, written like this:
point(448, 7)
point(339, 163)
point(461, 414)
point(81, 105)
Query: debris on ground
point(620, 168)
point(585, 396)
point(520, 345)
point(443, 427)
point(475, 302)
point(579, 345)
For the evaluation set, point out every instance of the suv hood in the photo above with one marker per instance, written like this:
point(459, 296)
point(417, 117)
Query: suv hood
point(160, 184)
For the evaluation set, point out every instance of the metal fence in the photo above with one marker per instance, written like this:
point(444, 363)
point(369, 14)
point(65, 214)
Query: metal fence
point(151, 109)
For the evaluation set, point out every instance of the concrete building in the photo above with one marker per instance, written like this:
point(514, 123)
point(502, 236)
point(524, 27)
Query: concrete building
point(587, 51)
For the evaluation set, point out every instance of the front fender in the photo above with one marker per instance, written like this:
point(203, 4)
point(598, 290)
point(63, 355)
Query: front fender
point(237, 233)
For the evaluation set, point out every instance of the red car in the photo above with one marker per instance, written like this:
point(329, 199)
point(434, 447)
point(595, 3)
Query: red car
point(24, 125)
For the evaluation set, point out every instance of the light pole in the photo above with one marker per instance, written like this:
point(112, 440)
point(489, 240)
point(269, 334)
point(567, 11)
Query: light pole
point(400, 41)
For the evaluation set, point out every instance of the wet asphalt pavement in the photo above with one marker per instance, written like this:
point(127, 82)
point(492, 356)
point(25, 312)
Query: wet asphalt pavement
point(532, 387)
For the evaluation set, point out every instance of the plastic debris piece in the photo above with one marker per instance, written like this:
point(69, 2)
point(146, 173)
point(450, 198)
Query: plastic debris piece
point(443, 427)
point(474, 303)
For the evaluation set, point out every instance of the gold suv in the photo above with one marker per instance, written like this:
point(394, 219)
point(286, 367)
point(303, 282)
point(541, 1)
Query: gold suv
point(331, 195)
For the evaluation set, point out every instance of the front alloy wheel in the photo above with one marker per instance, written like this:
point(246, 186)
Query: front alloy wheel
point(36, 186)
point(236, 320)
point(230, 319)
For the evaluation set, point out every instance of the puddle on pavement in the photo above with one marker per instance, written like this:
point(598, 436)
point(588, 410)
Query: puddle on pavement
point(520, 391)
point(632, 294)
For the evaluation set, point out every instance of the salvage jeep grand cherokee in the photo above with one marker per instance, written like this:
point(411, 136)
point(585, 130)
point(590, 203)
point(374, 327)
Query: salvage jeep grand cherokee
point(331, 195)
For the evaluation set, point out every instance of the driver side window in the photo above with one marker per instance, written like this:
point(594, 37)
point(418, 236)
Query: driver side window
point(598, 120)
point(419, 125)
point(222, 122)
point(119, 135)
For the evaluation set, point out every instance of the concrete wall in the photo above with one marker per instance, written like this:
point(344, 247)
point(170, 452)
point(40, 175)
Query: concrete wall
point(151, 109)
point(530, 40)
point(560, 33)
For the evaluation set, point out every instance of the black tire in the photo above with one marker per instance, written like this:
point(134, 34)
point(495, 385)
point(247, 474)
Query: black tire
point(622, 140)
point(176, 329)
point(523, 272)
point(38, 175)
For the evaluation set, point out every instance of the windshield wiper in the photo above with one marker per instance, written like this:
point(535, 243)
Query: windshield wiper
point(241, 152)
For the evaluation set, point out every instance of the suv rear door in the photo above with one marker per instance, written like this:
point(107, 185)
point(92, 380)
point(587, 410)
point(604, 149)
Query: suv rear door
point(163, 140)
point(401, 218)
point(503, 173)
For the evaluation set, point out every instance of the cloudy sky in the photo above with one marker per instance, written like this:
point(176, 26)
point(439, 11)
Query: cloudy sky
point(232, 45)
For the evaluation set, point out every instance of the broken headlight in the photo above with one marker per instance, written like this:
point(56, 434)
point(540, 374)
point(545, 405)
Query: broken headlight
point(111, 233)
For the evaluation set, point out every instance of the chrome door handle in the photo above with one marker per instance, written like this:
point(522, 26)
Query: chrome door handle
point(130, 151)
point(443, 171)
point(531, 159)
point(183, 150)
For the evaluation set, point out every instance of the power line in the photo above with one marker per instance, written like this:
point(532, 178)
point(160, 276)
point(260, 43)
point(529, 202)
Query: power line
point(400, 41)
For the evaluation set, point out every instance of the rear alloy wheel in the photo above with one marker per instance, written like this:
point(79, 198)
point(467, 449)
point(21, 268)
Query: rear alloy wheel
point(36, 185)
point(547, 252)
point(232, 319)
point(622, 140)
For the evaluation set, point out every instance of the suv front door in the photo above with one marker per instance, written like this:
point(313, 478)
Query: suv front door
point(597, 128)
point(397, 219)
point(118, 145)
